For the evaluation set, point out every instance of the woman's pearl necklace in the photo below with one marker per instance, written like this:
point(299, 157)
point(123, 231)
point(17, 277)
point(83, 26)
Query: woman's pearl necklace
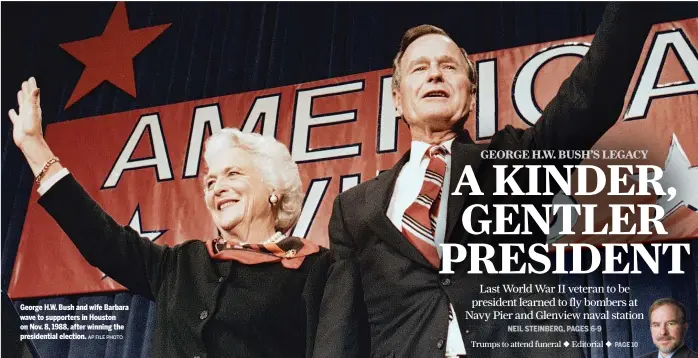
point(278, 236)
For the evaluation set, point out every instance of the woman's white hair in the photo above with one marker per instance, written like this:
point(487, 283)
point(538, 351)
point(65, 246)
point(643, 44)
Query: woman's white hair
point(274, 162)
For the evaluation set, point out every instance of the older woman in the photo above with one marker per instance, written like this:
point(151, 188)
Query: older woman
point(250, 292)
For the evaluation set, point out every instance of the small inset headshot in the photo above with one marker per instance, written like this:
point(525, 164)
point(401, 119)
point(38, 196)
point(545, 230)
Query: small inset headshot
point(668, 326)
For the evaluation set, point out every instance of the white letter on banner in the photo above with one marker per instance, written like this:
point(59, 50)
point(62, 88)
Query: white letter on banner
point(349, 181)
point(311, 204)
point(486, 120)
point(266, 109)
point(160, 160)
point(648, 88)
point(387, 119)
point(524, 103)
point(205, 116)
point(304, 121)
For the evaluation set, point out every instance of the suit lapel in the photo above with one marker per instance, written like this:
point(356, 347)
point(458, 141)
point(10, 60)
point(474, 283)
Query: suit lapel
point(379, 196)
point(464, 152)
point(682, 352)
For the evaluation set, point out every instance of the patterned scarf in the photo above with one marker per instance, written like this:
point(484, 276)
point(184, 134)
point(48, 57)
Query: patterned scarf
point(290, 251)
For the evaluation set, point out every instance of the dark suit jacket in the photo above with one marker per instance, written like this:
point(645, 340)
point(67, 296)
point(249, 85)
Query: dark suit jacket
point(683, 352)
point(205, 308)
point(383, 297)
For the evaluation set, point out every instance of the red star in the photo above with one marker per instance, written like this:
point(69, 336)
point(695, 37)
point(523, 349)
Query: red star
point(109, 57)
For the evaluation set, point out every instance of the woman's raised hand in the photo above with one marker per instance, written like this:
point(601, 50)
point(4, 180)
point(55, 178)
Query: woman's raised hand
point(27, 132)
point(27, 123)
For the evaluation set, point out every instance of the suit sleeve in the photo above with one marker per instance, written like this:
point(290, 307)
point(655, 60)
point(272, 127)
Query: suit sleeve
point(343, 327)
point(590, 101)
point(312, 296)
point(118, 251)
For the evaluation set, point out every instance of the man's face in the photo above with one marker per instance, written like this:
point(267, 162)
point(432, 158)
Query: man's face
point(435, 91)
point(668, 329)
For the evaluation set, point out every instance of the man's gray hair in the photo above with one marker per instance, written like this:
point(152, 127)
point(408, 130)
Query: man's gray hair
point(413, 34)
point(274, 162)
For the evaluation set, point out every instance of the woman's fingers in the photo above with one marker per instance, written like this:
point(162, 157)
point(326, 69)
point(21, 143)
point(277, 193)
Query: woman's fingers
point(25, 90)
point(35, 97)
point(29, 95)
point(13, 116)
point(34, 91)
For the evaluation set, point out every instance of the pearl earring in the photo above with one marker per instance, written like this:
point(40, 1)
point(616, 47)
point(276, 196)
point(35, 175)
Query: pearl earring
point(273, 199)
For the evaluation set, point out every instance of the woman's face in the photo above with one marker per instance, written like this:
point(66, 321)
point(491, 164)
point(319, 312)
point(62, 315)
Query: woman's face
point(234, 190)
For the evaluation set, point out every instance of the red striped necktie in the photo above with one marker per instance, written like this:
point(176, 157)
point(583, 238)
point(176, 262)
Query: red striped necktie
point(419, 220)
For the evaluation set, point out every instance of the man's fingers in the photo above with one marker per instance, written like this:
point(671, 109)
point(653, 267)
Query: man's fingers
point(13, 116)
point(38, 97)
point(32, 83)
point(20, 98)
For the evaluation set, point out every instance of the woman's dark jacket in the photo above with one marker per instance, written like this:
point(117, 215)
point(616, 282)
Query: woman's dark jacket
point(205, 308)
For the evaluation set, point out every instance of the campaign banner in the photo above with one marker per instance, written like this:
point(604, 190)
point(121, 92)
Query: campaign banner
point(145, 166)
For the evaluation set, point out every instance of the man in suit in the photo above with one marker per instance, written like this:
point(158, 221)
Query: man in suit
point(668, 326)
point(385, 296)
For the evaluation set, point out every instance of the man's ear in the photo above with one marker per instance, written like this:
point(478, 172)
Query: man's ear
point(397, 102)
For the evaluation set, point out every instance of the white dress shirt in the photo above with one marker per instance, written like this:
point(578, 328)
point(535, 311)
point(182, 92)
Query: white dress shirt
point(407, 187)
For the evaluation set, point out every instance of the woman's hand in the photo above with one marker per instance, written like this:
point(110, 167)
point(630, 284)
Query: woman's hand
point(27, 132)
point(27, 124)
